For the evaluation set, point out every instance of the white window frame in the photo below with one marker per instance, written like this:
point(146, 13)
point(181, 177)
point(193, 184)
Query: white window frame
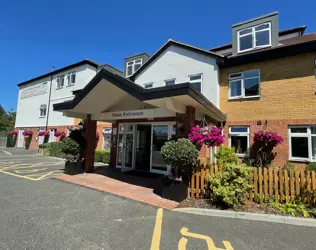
point(133, 65)
point(69, 78)
point(40, 111)
point(253, 33)
point(147, 84)
point(241, 78)
point(59, 85)
point(169, 80)
point(194, 81)
point(247, 134)
point(307, 135)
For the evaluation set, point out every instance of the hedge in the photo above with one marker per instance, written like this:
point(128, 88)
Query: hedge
point(102, 156)
point(52, 149)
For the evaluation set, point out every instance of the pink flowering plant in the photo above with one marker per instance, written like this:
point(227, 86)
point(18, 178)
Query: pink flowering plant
point(261, 154)
point(27, 133)
point(60, 134)
point(13, 132)
point(97, 135)
point(43, 133)
point(209, 135)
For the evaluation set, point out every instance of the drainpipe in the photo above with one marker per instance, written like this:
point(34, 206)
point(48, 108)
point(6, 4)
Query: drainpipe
point(49, 96)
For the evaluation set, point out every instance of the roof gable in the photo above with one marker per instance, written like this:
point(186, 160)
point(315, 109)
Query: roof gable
point(165, 47)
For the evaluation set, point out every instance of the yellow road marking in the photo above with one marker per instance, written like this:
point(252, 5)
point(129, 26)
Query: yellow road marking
point(25, 171)
point(43, 176)
point(210, 243)
point(23, 165)
point(16, 175)
point(155, 243)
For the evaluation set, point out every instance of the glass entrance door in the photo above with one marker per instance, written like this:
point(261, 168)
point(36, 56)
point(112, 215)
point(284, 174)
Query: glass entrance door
point(125, 154)
point(160, 135)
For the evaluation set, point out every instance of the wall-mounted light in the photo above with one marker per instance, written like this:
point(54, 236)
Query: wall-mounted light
point(80, 125)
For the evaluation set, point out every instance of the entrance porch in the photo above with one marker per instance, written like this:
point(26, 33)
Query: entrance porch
point(142, 119)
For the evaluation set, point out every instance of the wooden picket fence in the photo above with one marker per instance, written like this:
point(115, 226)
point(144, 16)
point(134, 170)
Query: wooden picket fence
point(283, 185)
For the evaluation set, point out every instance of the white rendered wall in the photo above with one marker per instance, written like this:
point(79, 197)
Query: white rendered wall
point(28, 108)
point(180, 63)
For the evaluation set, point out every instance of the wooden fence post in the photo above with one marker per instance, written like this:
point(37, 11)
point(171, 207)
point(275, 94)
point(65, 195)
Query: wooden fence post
point(255, 184)
point(281, 180)
point(276, 184)
point(292, 185)
point(286, 181)
point(265, 179)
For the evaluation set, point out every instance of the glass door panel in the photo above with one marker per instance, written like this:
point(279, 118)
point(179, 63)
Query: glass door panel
point(160, 135)
point(120, 150)
point(129, 150)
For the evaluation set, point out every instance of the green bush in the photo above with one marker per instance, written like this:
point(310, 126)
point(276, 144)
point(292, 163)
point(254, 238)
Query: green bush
point(295, 208)
point(227, 189)
point(102, 156)
point(288, 166)
point(226, 155)
point(53, 149)
point(180, 153)
point(70, 149)
point(43, 146)
point(311, 166)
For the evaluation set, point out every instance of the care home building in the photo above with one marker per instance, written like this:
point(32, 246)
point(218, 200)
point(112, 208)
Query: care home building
point(264, 79)
point(38, 95)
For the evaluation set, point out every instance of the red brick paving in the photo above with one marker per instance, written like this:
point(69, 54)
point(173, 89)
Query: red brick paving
point(110, 185)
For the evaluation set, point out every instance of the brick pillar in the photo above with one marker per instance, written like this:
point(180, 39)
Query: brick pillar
point(90, 135)
point(189, 119)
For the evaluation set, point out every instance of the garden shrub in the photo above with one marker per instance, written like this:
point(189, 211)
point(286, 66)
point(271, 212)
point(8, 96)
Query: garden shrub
point(53, 149)
point(102, 156)
point(180, 153)
point(296, 208)
point(288, 166)
point(70, 149)
point(226, 155)
point(227, 189)
point(311, 166)
point(43, 146)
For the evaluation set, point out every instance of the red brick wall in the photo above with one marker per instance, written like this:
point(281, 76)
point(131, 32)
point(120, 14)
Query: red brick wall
point(280, 126)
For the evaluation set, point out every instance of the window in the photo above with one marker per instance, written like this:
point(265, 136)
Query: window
point(133, 66)
point(244, 84)
point(254, 37)
point(239, 139)
point(302, 143)
point(148, 85)
point(71, 77)
point(60, 81)
point(196, 82)
point(170, 82)
point(43, 109)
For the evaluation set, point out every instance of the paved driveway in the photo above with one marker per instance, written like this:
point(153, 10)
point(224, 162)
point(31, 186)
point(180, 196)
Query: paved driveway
point(52, 214)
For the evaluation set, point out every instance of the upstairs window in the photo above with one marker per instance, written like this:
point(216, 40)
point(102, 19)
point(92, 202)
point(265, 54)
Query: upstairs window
point(43, 110)
point(60, 82)
point(244, 84)
point(196, 81)
point(170, 82)
point(254, 37)
point(133, 66)
point(71, 77)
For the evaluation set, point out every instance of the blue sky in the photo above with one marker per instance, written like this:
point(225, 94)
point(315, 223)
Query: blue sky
point(34, 35)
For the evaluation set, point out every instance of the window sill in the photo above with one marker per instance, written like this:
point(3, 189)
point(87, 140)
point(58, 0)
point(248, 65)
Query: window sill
point(305, 160)
point(41, 116)
point(254, 49)
point(59, 88)
point(257, 97)
point(241, 155)
point(70, 85)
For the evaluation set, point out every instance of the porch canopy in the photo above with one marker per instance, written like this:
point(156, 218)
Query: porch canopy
point(110, 97)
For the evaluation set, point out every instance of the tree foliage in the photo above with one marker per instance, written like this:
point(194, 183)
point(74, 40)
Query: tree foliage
point(7, 119)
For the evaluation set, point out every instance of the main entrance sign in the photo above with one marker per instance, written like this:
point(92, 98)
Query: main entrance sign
point(136, 114)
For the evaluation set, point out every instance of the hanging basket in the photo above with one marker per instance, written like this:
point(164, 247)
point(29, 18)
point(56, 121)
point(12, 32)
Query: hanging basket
point(209, 135)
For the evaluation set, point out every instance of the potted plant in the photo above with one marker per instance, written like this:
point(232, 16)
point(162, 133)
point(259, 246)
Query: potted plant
point(12, 138)
point(27, 138)
point(71, 151)
point(181, 155)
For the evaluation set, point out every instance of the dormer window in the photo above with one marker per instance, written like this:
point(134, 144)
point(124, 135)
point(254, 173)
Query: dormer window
point(133, 66)
point(254, 37)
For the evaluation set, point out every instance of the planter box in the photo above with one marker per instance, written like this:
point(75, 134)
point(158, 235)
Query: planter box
point(73, 167)
point(174, 190)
